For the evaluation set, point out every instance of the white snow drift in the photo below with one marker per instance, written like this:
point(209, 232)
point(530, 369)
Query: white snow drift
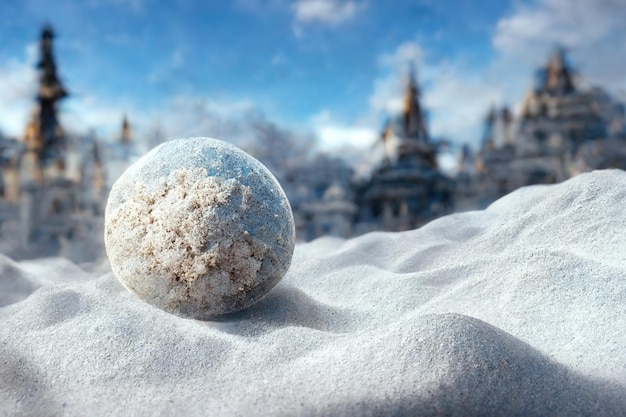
point(519, 309)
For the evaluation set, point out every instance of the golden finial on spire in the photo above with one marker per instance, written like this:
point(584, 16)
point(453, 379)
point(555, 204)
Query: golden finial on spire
point(414, 124)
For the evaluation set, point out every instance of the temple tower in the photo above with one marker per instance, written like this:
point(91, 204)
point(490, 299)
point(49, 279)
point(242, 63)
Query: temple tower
point(414, 125)
point(406, 137)
point(48, 143)
point(562, 129)
point(126, 134)
point(125, 149)
point(47, 196)
point(557, 76)
point(407, 189)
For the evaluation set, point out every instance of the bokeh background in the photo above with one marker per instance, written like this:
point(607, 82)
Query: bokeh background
point(374, 115)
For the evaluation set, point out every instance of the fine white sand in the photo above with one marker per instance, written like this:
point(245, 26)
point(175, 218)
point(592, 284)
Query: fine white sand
point(519, 309)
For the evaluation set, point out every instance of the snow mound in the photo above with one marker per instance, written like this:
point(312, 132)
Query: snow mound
point(519, 309)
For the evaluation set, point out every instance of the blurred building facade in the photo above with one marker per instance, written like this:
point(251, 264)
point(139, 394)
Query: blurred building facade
point(52, 184)
point(561, 130)
point(404, 191)
point(407, 189)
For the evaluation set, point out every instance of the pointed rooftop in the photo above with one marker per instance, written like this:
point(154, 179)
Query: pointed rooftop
point(50, 141)
point(126, 134)
point(490, 118)
point(557, 76)
point(50, 87)
point(414, 125)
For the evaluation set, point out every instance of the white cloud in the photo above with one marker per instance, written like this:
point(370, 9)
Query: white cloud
point(325, 11)
point(454, 97)
point(79, 113)
point(593, 30)
point(387, 95)
point(197, 116)
point(407, 53)
point(84, 112)
point(457, 102)
point(18, 84)
point(356, 143)
point(334, 135)
point(458, 97)
point(571, 23)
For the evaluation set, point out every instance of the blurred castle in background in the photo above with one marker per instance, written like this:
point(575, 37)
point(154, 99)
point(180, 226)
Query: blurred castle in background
point(53, 185)
point(407, 189)
point(403, 192)
point(561, 130)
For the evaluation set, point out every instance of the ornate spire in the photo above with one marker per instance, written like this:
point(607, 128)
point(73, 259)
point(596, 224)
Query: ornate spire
point(490, 119)
point(557, 76)
point(50, 91)
point(126, 134)
point(414, 125)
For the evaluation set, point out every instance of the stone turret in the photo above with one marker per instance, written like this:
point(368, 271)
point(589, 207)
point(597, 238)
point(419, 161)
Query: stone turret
point(124, 150)
point(126, 134)
point(405, 136)
point(50, 143)
point(554, 82)
point(557, 78)
point(407, 189)
point(414, 125)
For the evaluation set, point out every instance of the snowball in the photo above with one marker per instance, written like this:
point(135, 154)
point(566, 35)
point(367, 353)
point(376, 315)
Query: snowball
point(199, 228)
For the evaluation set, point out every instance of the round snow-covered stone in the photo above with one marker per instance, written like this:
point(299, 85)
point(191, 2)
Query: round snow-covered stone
point(199, 228)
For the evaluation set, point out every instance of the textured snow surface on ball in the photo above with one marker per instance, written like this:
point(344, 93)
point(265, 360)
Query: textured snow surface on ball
point(199, 228)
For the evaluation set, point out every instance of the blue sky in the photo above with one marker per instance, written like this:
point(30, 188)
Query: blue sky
point(329, 68)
